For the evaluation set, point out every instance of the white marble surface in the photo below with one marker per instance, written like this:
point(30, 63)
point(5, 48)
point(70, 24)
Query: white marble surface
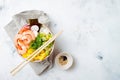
point(91, 35)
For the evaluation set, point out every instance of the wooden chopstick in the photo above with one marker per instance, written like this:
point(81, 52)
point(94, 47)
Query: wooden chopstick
point(22, 64)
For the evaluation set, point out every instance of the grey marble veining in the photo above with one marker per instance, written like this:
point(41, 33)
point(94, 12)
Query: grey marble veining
point(91, 35)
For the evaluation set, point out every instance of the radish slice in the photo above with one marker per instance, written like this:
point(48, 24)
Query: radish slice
point(35, 28)
point(35, 33)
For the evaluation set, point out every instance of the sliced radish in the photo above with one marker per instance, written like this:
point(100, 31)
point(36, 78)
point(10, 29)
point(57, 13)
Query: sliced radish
point(35, 33)
point(35, 28)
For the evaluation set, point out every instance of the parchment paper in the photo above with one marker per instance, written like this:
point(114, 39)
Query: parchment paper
point(21, 19)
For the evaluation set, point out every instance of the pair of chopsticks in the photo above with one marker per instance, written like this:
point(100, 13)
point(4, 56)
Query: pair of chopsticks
point(36, 52)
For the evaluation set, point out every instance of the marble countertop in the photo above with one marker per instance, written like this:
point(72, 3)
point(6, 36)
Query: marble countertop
point(91, 35)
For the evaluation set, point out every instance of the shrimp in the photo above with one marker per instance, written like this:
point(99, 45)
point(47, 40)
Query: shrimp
point(24, 28)
point(29, 32)
point(23, 39)
point(23, 47)
point(17, 37)
point(20, 44)
point(26, 39)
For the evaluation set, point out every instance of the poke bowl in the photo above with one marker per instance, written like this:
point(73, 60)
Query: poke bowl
point(32, 36)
